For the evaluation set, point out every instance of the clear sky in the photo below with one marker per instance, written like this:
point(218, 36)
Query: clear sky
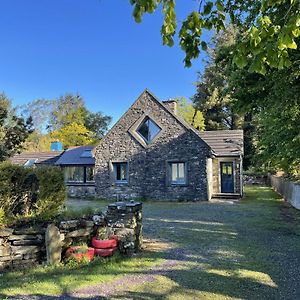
point(94, 47)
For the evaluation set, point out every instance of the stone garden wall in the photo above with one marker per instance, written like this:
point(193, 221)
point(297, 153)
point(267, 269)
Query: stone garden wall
point(28, 246)
point(21, 247)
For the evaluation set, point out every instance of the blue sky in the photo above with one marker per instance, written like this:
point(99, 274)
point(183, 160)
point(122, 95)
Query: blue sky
point(94, 47)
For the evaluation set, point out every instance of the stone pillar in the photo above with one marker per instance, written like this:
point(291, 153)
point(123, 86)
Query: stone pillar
point(126, 220)
point(53, 245)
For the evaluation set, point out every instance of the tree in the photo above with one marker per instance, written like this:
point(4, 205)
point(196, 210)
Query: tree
point(191, 115)
point(213, 98)
point(67, 110)
point(216, 93)
point(268, 28)
point(97, 123)
point(13, 129)
point(73, 134)
point(39, 110)
point(54, 120)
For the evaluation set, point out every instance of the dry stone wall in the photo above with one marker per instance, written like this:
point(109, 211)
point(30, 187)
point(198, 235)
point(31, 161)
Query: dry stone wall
point(28, 246)
point(21, 247)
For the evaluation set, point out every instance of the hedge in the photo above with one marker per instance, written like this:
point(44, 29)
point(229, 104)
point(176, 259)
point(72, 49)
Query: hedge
point(30, 193)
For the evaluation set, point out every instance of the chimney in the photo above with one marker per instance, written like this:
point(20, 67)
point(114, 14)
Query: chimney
point(171, 105)
point(56, 146)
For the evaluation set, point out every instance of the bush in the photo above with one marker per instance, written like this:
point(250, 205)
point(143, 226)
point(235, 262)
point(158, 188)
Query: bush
point(36, 193)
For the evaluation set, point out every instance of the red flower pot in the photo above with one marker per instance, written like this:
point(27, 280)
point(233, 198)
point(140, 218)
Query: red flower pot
point(104, 244)
point(105, 252)
point(79, 253)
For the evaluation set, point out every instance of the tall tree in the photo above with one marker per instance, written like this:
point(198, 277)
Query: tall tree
point(191, 115)
point(212, 97)
point(13, 129)
point(97, 123)
point(67, 110)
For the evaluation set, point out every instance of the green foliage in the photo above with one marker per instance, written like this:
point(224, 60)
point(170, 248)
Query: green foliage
point(212, 97)
point(191, 115)
point(73, 134)
point(269, 29)
point(269, 105)
point(52, 192)
point(31, 193)
point(65, 119)
point(13, 129)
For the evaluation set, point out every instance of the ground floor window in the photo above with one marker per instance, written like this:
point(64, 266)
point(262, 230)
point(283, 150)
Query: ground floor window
point(178, 173)
point(79, 174)
point(120, 172)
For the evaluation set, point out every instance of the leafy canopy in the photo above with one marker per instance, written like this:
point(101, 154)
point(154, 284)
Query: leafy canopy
point(65, 119)
point(13, 129)
point(269, 28)
point(191, 115)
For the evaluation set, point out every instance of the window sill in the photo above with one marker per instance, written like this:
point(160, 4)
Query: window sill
point(179, 184)
point(80, 183)
point(120, 182)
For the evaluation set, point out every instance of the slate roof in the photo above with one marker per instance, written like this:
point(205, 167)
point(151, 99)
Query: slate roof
point(76, 156)
point(45, 158)
point(224, 142)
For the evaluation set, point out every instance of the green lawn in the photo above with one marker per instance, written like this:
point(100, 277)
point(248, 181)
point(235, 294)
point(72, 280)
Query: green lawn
point(245, 250)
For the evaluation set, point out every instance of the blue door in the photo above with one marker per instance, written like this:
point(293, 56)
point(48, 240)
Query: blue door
point(227, 177)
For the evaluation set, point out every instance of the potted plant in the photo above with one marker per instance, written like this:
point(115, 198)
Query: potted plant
point(80, 253)
point(105, 243)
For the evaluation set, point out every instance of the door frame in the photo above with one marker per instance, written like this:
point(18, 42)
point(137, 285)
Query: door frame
point(220, 174)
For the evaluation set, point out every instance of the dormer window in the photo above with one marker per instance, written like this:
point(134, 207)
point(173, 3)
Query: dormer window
point(148, 130)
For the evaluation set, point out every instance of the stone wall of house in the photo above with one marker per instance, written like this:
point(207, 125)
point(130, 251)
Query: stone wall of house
point(149, 175)
point(81, 191)
point(27, 246)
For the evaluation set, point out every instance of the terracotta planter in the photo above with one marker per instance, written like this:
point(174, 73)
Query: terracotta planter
point(79, 253)
point(104, 244)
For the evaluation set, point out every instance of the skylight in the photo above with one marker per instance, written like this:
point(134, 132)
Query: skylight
point(29, 163)
point(86, 153)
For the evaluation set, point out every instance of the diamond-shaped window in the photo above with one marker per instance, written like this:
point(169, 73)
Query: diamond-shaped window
point(148, 130)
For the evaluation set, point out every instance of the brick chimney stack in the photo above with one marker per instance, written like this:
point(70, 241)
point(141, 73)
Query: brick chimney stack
point(171, 104)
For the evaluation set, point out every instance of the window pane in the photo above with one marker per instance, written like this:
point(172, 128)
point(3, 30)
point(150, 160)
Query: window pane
point(120, 171)
point(181, 170)
point(174, 172)
point(153, 130)
point(148, 130)
point(144, 130)
point(90, 173)
point(74, 174)
point(178, 173)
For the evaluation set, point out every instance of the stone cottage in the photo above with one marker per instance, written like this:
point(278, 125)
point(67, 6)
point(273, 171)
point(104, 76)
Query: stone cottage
point(151, 153)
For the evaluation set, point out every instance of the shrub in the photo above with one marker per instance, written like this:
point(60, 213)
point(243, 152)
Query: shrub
point(30, 192)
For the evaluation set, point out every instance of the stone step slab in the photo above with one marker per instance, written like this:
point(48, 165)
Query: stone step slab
point(27, 242)
point(5, 232)
point(79, 232)
point(5, 250)
point(25, 249)
point(71, 224)
point(25, 237)
point(29, 230)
